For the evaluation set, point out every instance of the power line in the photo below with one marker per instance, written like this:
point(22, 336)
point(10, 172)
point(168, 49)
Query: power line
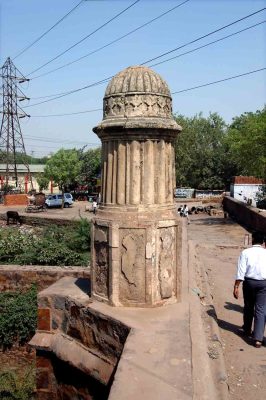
point(112, 42)
point(207, 44)
point(219, 81)
point(49, 30)
point(84, 38)
point(180, 91)
point(202, 37)
point(63, 94)
point(73, 91)
point(63, 115)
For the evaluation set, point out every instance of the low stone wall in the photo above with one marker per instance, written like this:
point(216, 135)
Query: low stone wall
point(73, 337)
point(17, 277)
point(250, 217)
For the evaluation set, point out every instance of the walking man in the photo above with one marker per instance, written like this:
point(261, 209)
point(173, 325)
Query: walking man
point(94, 206)
point(251, 270)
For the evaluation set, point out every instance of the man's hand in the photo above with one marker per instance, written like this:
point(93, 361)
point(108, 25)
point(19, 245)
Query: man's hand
point(236, 292)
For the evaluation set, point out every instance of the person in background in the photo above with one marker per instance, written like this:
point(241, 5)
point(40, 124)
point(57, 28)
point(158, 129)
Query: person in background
point(94, 206)
point(251, 270)
point(185, 213)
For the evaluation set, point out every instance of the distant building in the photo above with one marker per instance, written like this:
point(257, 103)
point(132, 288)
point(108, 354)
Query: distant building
point(23, 178)
point(245, 188)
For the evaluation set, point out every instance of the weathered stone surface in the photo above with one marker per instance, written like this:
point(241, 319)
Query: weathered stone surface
point(167, 262)
point(103, 336)
point(138, 97)
point(44, 319)
point(134, 262)
point(132, 278)
point(19, 277)
point(101, 250)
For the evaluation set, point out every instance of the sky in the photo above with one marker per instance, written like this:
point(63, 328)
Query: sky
point(23, 22)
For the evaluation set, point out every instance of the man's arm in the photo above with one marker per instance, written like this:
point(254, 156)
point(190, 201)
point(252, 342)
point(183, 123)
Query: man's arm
point(236, 288)
point(241, 271)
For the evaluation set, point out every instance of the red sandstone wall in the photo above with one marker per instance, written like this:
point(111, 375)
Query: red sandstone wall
point(15, 200)
point(251, 217)
point(16, 277)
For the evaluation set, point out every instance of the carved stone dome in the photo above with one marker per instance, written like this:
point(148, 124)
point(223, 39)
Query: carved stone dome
point(137, 79)
point(137, 97)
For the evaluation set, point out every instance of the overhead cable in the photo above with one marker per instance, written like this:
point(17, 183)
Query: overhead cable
point(62, 115)
point(84, 38)
point(112, 42)
point(202, 37)
point(49, 30)
point(62, 94)
point(219, 81)
point(51, 140)
point(172, 93)
point(72, 91)
point(208, 44)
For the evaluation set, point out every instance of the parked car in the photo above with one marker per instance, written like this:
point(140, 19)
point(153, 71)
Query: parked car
point(55, 200)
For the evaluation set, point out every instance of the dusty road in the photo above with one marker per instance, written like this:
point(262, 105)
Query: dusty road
point(218, 244)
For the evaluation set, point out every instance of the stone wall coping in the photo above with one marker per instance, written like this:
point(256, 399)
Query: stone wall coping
point(67, 287)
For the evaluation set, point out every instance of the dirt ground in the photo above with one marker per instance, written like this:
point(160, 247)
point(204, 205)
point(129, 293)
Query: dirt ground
point(77, 210)
point(218, 244)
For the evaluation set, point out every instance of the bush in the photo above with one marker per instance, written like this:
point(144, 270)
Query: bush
point(61, 245)
point(18, 317)
point(261, 204)
point(17, 386)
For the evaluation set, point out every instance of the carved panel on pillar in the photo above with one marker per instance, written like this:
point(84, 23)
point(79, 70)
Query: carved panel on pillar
point(101, 248)
point(137, 105)
point(132, 274)
point(167, 262)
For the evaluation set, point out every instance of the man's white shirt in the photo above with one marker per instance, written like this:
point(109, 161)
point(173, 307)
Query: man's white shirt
point(252, 263)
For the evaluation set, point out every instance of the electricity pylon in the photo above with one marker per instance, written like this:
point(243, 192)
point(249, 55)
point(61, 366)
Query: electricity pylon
point(11, 140)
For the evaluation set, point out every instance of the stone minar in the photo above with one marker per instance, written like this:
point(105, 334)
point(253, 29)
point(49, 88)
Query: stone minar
point(136, 235)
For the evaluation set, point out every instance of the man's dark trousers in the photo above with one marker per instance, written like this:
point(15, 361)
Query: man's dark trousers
point(254, 292)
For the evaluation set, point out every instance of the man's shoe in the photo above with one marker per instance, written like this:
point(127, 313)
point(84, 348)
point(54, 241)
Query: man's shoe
point(257, 344)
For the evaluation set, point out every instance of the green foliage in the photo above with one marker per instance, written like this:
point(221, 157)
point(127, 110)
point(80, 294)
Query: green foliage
point(56, 245)
point(91, 164)
point(42, 181)
point(64, 168)
point(200, 152)
point(261, 197)
point(13, 243)
point(81, 238)
point(247, 144)
point(17, 386)
point(18, 317)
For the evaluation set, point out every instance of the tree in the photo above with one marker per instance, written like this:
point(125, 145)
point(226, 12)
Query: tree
point(91, 164)
point(64, 167)
point(246, 140)
point(200, 152)
point(42, 181)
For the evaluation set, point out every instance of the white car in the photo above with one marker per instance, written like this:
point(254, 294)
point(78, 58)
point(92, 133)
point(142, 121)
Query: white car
point(55, 200)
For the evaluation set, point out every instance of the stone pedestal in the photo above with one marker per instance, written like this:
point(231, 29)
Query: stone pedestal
point(136, 235)
point(136, 258)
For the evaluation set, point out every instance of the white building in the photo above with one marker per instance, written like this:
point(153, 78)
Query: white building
point(245, 188)
point(23, 178)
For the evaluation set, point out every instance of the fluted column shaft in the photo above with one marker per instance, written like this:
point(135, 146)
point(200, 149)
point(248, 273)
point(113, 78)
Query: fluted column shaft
point(137, 172)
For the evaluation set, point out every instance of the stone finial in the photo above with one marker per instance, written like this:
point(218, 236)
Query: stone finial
point(137, 97)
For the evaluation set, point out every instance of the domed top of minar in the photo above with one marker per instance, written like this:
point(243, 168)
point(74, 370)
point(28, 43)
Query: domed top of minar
point(137, 97)
point(137, 79)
